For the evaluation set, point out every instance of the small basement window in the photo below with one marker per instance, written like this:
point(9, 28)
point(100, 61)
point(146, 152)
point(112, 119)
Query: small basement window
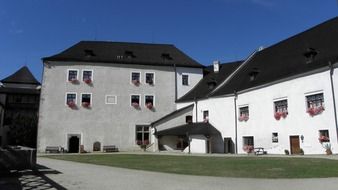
point(86, 100)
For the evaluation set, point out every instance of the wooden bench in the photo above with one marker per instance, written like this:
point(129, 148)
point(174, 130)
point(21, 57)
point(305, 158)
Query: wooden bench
point(259, 151)
point(110, 148)
point(53, 149)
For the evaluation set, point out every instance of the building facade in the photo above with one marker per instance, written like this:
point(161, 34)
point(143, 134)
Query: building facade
point(282, 99)
point(107, 93)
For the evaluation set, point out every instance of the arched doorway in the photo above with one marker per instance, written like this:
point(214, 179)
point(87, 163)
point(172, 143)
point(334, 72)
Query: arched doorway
point(73, 145)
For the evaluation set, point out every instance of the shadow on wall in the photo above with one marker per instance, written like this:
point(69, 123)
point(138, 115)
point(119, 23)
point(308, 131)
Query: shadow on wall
point(29, 179)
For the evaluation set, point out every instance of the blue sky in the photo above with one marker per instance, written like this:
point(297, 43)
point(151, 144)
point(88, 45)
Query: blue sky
point(206, 30)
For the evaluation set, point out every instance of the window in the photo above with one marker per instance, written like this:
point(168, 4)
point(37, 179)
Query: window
point(86, 100)
point(149, 101)
point(281, 109)
point(71, 99)
point(275, 137)
point(185, 80)
point(206, 116)
point(72, 75)
point(135, 101)
point(324, 136)
point(111, 99)
point(150, 78)
point(315, 104)
point(243, 113)
point(135, 78)
point(87, 76)
point(188, 119)
point(248, 144)
point(142, 134)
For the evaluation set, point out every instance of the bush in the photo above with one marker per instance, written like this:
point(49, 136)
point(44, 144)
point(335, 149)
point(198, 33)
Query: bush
point(286, 152)
point(301, 151)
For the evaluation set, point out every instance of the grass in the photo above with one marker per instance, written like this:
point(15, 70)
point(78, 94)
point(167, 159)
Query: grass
point(248, 167)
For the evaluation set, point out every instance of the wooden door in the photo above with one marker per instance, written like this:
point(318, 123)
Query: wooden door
point(294, 145)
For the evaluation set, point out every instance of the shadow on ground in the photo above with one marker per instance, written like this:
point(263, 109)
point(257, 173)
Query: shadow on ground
point(29, 179)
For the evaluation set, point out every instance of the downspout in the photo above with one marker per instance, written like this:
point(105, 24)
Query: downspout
point(235, 106)
point(175, 70)
point(196, 120)
point(333, 98)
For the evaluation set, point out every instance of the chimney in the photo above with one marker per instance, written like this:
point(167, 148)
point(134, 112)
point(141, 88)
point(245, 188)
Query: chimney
point(216, 66)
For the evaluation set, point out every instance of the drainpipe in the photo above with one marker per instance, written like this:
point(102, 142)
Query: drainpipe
point(175, 70)
point(235, 106)
point(196, 110)
point(333, 97)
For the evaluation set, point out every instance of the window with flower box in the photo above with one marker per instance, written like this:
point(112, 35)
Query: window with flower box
point(87, 76)
point(315, 104)
point(324, 136)
point(86, 100)
point(243, 113)
point(72, 75)
point(150, 78)
point(71, 100)
point(142, 135)
point(135, 101)
point(281, 109)
point(136, 78)
point(149, 101)
point(248, 144)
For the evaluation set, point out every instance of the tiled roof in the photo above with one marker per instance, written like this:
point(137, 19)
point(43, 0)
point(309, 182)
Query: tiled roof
point(202, 128)
point(126, 53)
point(22, 76)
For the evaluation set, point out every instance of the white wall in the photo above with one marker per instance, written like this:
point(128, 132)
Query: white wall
point(195, 75)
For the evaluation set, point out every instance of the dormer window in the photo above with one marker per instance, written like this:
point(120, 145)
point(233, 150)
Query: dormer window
point(212, 84)
point(129, 54)
point(166, 56)
point(310, 55)
point(253, 74)
point(89, 53)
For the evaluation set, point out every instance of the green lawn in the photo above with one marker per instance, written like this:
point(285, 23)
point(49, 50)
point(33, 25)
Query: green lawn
point(252, 167)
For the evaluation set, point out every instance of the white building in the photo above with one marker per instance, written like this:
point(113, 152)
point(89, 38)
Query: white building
point(282, 98)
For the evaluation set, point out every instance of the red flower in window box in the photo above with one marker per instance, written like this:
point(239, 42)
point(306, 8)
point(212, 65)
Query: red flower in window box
point(86, 104)
point(135, 105)
point(248, 148)
point(71, 104)
point(149, 105)
point(145, 142)
point(73, 80)
point(243, 118)
point(136, 82)
point(88, 81)
point(323, 139)
point(315, 110)
point(138, 142)
point(278, 115)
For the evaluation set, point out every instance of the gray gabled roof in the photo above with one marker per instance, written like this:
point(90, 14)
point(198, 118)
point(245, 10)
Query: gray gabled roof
point(22, 76)
point(201, 128)
point(172, 114)
point(125, 53)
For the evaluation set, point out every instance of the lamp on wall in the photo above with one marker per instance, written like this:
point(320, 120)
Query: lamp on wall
point(302, 138)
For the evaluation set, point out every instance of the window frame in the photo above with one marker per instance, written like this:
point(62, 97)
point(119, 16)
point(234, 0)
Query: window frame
point(205, 116)
point(145, 105)
point(92, 76)
point(184, 74)
point(106, 96)
point(91, 98)
point(145, 78)
point(274, 137)
point(77, 74)
point(66, 102)
point(307, 105)
point(131, 77)
point(140, 100)
point(143, 132)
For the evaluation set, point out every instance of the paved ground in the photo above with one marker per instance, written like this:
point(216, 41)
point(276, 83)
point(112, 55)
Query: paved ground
point(71, 175)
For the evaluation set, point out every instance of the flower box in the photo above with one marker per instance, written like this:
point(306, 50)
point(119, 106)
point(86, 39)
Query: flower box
point(135, 105)
point(136, 82)
point(279, 115)
point(88, 81)
point(149, 106)
point(323, 139)
point(243, 118)
point(71, 104)
point(315, 110)
point(73, 80)
point(86, 104)
point(248, 148)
